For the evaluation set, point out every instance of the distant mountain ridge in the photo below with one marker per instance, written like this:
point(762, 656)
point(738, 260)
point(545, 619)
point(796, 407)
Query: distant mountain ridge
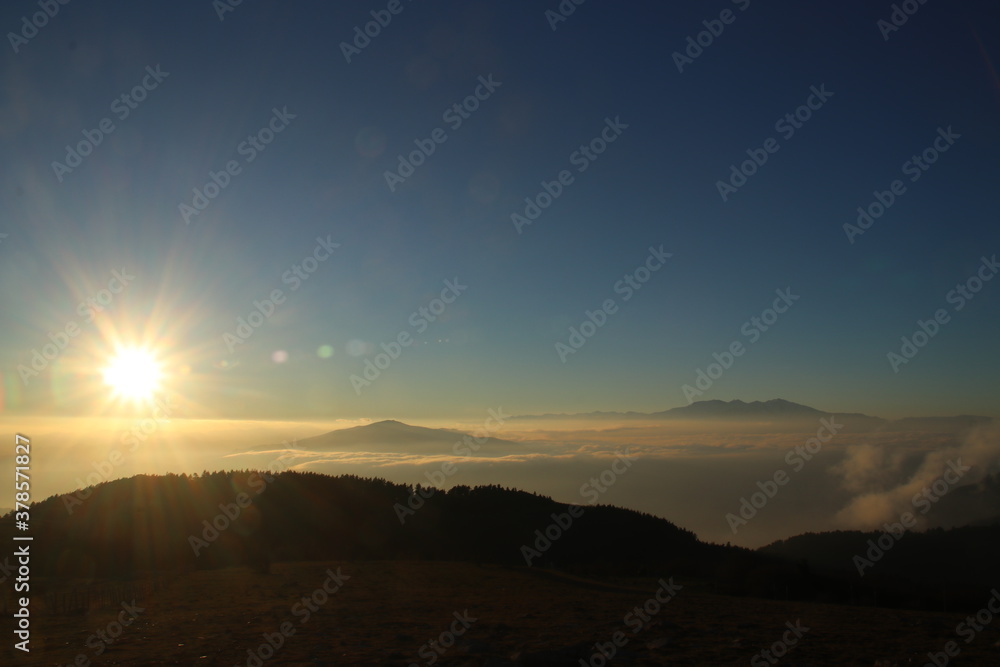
point(776, 408)
point(394, 436)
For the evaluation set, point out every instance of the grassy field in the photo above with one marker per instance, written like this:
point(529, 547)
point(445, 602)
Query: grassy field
point(385, 613)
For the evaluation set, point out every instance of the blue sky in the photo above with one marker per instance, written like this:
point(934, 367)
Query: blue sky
point(323, 176)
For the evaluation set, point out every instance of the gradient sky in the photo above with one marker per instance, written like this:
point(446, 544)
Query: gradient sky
point(324, 176)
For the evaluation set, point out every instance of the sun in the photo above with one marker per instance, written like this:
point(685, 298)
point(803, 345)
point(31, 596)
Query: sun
point(134, 374)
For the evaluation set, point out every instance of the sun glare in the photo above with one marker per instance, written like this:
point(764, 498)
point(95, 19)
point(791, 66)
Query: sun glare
point(134, 374)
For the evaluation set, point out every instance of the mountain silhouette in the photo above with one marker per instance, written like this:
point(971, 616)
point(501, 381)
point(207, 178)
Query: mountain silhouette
point(395, 436)
point(177, 523)
point(153, 523)
point(778, 409)
point(775, 408)
point(955, 566)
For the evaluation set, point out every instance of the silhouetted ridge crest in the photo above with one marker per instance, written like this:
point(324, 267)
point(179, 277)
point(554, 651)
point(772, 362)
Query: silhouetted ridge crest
point(144, 523)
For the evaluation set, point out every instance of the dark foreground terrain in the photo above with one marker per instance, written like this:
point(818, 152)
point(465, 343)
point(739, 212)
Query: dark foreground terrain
point(307, 569)
point(386, 613)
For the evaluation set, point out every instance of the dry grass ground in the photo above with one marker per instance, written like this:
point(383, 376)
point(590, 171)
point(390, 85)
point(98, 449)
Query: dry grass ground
point(386, 611)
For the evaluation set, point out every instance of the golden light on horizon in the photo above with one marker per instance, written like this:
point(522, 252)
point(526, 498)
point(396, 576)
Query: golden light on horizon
point(134, 374)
